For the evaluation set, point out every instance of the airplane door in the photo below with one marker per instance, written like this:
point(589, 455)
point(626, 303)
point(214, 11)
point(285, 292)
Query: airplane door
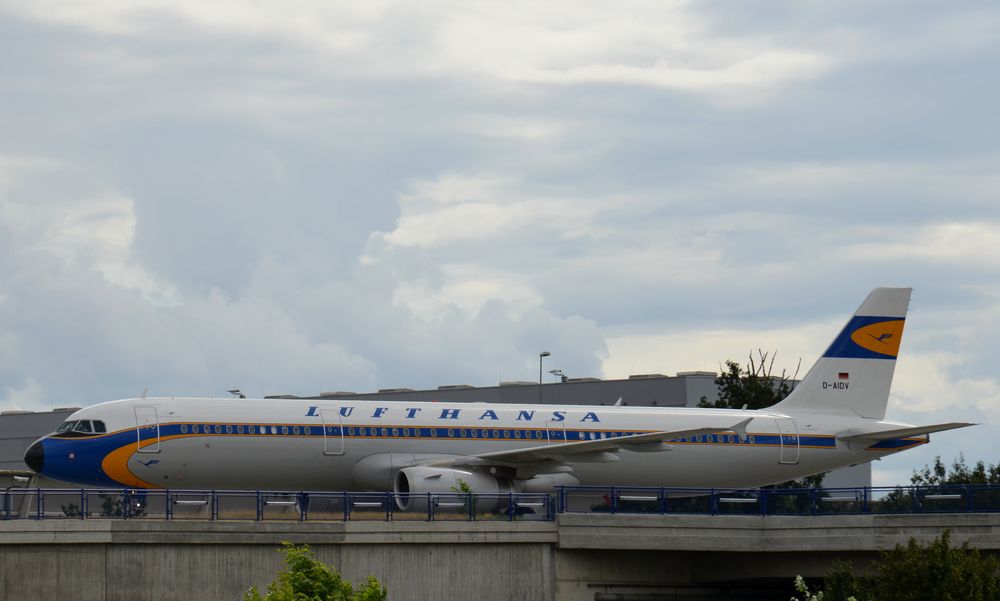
point(788, 437)
point(333, 432)
point(147, 429)
point(555, 432)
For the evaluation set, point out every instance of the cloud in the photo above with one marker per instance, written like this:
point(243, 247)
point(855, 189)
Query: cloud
point(959, 244)
point(522, 43)
point(290, 198)
point(458, 208)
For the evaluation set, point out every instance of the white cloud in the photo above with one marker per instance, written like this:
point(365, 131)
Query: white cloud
point(30, 396)
point(458, 208)
point(526, 129)
point(968, 244)
point(93, 233)
point(657, 44)
point(466, 288)
point(706, 349)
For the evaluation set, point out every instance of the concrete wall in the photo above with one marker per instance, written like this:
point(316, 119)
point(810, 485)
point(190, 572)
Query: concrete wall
point(577, 558)
point(104, 560)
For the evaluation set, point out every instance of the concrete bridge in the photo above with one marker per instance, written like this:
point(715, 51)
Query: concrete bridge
point(579, 557)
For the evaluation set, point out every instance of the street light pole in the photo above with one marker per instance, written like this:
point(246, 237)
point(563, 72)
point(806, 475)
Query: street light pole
point(541, 356)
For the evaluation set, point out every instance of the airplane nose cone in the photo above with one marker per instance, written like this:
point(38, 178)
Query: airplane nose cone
point(35, 457)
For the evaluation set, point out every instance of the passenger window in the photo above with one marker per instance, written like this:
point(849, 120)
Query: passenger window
point(350, 431)
point(195, 429)
point(274, 429)
point(229, 429)
point(406, 431)
point(184, 429)
point(395, 431)
point(250, 429)
point(464, 433)
point(295, 429)
point(284, 429)
point(385, 432)
point(307, 430)
point(239, 429)
point(218, 429)
point(99, 427)
point(517, 434)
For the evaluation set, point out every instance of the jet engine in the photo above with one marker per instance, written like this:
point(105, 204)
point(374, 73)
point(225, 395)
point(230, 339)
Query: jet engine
point(412, 485)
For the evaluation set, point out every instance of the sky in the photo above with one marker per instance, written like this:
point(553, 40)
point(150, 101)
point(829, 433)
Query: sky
point(295, 197)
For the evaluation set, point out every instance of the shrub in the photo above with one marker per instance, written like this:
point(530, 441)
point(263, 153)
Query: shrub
point(305, 578)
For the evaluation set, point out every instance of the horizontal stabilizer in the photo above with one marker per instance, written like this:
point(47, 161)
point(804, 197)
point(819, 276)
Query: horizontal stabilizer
point(852, 436)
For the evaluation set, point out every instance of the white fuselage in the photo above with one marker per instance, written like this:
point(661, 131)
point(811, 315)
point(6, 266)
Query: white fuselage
point(359, 444)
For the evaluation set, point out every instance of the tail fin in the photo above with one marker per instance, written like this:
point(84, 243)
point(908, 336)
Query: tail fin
point(854, 375)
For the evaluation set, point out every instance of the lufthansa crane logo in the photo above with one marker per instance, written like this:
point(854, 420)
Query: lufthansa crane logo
point(882, 337)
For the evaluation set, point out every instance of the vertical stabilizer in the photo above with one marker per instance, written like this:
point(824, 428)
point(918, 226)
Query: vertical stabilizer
point(854, 375)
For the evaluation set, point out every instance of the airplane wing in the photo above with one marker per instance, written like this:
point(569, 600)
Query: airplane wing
point(551, 457)
point(866, 439)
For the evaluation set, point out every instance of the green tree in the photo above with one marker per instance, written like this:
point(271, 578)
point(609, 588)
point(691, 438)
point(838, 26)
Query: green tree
point(752, 387)
point(939, 475)
point(937, 571)
point(305, 578)
point(960, 473)
point(840, 584)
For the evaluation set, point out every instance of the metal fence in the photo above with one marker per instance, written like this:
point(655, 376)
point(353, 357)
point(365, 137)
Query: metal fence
point(262, 505)
point(781, 501)
point(303, 506)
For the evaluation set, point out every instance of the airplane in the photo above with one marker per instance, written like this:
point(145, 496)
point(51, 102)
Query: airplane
point(835, 417)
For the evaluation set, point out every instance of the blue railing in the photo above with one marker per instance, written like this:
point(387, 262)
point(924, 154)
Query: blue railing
point(303, 506)
point(263, 505)
point(782, 501)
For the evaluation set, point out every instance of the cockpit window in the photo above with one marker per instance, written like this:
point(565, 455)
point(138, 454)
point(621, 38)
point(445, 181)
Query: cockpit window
point(72, 428)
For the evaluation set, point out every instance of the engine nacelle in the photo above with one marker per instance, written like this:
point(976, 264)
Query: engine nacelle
point(413, 484)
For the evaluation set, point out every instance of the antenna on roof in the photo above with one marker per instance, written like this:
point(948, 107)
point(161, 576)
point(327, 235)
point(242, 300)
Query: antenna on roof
point(144, 391)
point(236, 393)
point(618, 403)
